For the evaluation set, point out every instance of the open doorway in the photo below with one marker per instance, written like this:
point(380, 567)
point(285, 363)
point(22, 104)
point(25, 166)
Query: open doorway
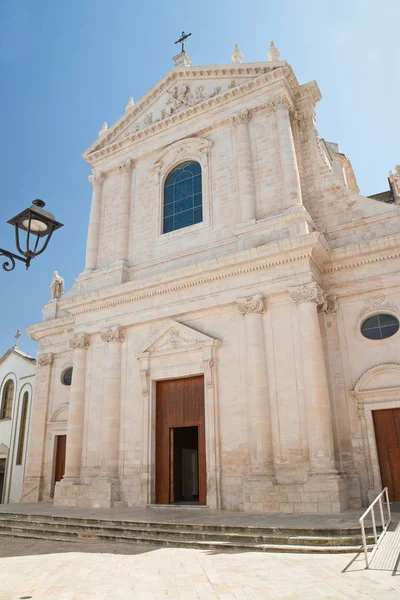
point(2, 476)
point(184, 467)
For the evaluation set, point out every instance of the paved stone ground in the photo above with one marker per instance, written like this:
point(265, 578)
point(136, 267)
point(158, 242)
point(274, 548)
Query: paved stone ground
point(43, 569)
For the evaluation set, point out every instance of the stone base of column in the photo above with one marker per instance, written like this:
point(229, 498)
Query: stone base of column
point(318, 494)
point(98, 493)
point(32, 490)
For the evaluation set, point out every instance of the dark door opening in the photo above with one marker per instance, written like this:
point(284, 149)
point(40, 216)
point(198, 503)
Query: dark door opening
point(387, 433)
point(59, 470)
point(184, 452)
point(2, 475)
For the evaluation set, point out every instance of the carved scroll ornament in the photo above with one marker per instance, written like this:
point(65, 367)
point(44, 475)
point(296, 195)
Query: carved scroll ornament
point(251, 305)
point(115, 333)
point(79, 341)
point(310, 292)
point(45, 360)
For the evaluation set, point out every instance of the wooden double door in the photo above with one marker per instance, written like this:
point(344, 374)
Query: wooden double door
point(180, 441)
point(387, 433)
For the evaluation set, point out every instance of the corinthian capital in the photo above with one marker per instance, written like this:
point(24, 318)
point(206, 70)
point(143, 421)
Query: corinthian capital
point(281, 102)
point(126, 167)
point(251, 305)
point(115, 333)
point(45, 360)
point(310, 292)
point(242, 117)
point(79, 341)
point(96, 178)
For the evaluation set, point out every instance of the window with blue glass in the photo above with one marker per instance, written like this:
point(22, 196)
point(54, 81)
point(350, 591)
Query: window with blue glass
point(183, 197)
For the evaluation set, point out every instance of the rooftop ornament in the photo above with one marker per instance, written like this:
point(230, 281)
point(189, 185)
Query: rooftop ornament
point(33, 225)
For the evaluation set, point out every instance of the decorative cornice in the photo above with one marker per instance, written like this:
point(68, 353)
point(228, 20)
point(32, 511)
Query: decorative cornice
point(79, 341)
point(251, 305)
point(242, 118)
point(105, 146)
point(115, 333)
point(310, 292)
point(45, 360)
point(97, 178)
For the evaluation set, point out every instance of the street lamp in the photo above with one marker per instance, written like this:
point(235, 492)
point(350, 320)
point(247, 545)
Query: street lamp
point(37, 223)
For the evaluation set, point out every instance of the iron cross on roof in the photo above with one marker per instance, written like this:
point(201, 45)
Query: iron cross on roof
point(182, 39)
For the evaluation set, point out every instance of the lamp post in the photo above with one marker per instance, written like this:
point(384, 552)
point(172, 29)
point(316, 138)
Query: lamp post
point(38, 224)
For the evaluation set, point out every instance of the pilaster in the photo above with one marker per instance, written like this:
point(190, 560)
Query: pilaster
point(247, 192)
point(92, 246)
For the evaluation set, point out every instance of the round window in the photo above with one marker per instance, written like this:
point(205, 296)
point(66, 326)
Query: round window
point(66, 376)
point(380, 327)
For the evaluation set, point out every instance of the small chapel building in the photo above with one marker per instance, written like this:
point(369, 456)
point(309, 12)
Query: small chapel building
point(233, 340)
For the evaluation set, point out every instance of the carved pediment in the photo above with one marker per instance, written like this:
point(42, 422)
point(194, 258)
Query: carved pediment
point(179, 90)
point(3, 451)
point(174, 337)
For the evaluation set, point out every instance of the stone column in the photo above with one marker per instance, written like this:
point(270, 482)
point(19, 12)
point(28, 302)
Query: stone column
point(288, 158)
point(257, 408)
point(315, 382)
point(247, 192)
point(92, 244)
point(34, 476)
point(79, 343)
point(113, 336)
point(124, 209)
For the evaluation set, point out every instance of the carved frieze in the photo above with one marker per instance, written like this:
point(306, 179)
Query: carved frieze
point(79, 341)
point(174, 339)
point(251, 305)
point(310, 292)
point(45, 360)
point(115, 333)
point(378, 302)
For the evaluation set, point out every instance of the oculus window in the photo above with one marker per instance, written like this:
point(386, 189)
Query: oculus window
point(183, 197)
point(380, 327)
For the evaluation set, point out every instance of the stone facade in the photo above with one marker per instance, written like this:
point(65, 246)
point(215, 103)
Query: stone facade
point(264, 297)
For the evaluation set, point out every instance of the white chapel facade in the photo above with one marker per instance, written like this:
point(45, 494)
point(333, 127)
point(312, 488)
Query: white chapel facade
point(235, 331)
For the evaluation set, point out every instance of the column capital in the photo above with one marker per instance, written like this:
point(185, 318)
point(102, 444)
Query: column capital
point(242, 117)
point(97, 178)
point(281, 102)
point(251, 305)
point(45, 360)
point(115, 333)
point(310, 292)
point(126, 167)
point(79, 341)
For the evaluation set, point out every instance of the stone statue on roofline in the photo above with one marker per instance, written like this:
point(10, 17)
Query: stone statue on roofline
point(57, 286)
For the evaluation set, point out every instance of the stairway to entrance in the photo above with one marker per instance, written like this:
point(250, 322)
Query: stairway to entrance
point(185, 527)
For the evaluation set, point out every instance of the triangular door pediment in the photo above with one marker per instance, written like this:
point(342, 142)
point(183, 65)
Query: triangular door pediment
point(175, 336)
point(3, 450)
point(179, 90)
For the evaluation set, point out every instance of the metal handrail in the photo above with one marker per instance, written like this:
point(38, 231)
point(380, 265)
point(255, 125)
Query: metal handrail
point(377, 539)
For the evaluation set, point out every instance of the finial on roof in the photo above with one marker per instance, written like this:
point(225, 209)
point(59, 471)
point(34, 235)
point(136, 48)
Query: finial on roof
point(103, 129)
point(273, 53)
point(237, 56)
point(131, 103)
point(17, 335)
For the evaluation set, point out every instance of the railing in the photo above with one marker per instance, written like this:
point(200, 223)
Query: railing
point(377, 539)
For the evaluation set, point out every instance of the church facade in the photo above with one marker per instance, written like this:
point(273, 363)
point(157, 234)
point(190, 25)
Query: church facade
point(233, 340)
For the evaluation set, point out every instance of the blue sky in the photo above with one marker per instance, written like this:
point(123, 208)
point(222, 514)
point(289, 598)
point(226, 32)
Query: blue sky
point(66, 67)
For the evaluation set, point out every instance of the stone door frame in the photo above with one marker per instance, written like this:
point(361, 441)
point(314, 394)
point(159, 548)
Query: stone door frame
point(370, 400)
point(180, 351)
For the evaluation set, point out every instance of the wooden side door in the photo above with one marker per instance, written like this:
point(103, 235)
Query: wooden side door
point(179, 403)
point(60, 457)
point(387, 433)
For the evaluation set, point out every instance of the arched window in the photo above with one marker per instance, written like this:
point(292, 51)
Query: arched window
point(8, 395)
point(22, 429)
point(183, 197)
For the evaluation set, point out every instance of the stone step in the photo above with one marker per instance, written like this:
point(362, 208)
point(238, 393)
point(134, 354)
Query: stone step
point(69, 528)
point(251, 530)
point(148, 540)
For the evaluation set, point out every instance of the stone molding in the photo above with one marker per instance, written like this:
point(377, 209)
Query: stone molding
point(310, 292)
point(251, 305)
point(79, 341)
point(97, 178)
point(114, 333)
point(45, 360)
point(126, 167)
point(208, 364)
point(242, 118)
